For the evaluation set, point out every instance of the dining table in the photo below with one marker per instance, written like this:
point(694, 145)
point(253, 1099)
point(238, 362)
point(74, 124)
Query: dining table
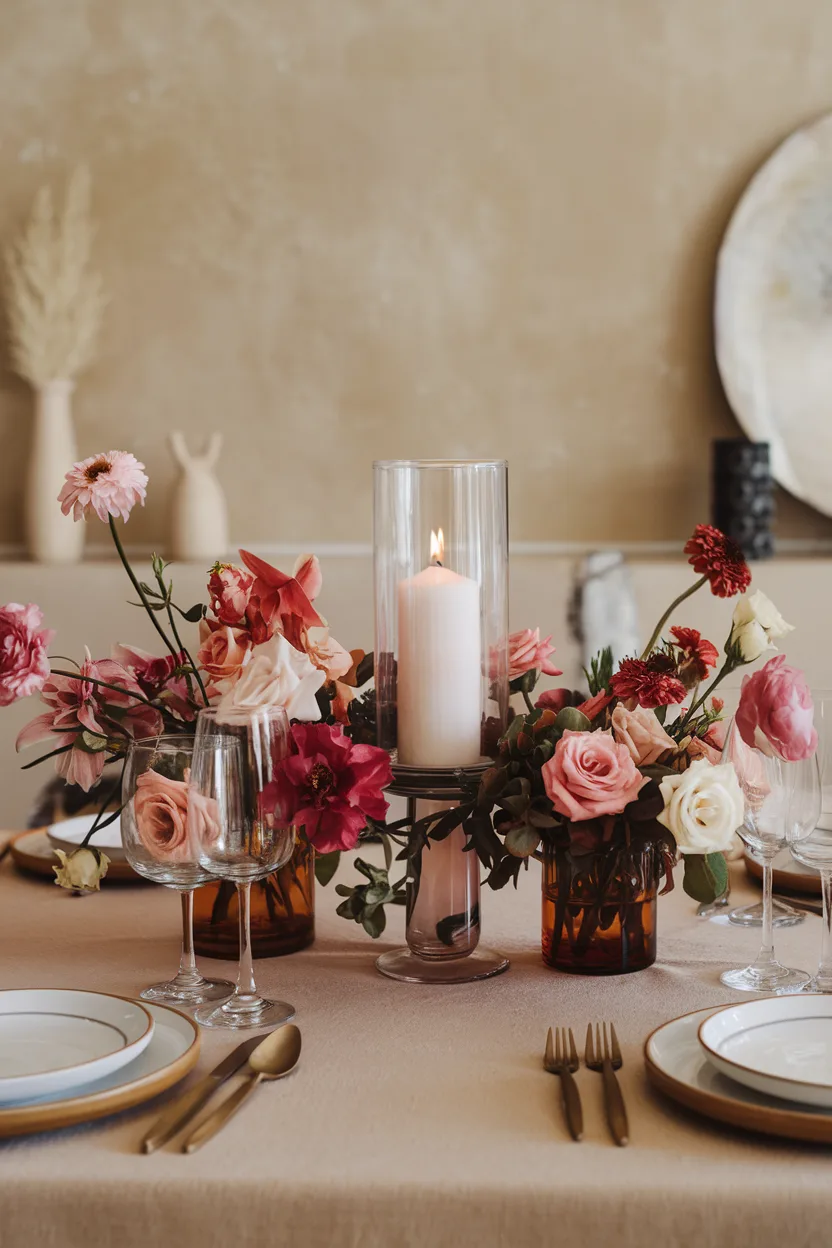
point(418, 1115)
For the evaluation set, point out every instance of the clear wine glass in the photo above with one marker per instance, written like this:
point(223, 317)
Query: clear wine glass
point(154, 832)
point(782, 805)
point(815, 849)
point(235, 755)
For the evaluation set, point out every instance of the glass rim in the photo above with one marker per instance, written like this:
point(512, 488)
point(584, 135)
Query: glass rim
point(161, 740)
point(385, 464)
point(242, 714)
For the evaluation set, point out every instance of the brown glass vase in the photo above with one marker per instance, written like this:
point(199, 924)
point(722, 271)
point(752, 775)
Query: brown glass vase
point(282, 912)
point(599, 910)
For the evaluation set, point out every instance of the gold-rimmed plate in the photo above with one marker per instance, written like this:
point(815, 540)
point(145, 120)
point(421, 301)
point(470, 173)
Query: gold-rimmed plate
point(173, 1052)
point(678, 1066)
point(32, 852)
point(788, 874)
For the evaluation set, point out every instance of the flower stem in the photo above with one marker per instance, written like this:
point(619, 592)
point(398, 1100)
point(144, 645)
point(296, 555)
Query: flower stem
point(105, 684)
point(528, 701)
point(724, 671)
point(142, 595)
point(674, 604)
point(178, 641)
point(97, 822)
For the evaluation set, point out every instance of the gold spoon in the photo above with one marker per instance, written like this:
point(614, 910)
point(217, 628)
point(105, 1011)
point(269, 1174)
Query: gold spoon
point(274, 1057)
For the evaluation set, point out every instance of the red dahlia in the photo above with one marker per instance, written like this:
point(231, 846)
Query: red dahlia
point(698, 655)
point(650, 682)
point(716, 556)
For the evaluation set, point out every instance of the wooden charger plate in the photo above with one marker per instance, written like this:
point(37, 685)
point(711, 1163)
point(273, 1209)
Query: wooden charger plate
point(788, 874)
point(49, 1115)
point(32, 852)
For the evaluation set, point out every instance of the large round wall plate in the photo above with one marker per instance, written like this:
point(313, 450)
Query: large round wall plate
point(774, 312)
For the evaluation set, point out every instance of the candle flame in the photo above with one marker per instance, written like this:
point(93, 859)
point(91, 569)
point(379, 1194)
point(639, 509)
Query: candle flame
point(437, 546)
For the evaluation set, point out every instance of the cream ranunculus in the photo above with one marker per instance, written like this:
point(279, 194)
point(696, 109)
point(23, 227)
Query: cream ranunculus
point(703, 807)
point(756, 625)
point(82, 870)
point(277, 675)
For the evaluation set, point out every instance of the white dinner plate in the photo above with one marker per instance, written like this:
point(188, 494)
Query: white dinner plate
point(678, 1066)
point(173, 1051)
point(69, 833)
point(780, 1046)
point(55, 1039)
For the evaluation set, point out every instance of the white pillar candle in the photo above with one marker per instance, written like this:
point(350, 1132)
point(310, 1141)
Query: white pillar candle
point(439, 682)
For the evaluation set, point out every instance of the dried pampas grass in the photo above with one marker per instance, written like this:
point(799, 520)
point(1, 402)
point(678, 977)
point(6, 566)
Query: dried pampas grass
point(54, 301)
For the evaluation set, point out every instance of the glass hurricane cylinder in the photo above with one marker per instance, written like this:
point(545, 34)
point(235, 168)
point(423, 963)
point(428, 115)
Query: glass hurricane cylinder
point(440, 531)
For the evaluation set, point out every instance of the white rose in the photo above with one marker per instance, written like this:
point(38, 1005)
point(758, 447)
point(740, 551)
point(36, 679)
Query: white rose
point(82, 870)
point(277, 675)
point(756, 624)
point(703, 807)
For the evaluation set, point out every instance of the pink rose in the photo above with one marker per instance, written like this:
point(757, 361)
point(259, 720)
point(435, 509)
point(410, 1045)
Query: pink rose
point(160, 806)
point(642, 734)
point(589, 775)
point(776, 713)
point(24, 666)
point(224, 651)
point(527, 653)
point(229, 590)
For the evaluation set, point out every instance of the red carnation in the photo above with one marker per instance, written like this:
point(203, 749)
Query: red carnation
point(330, 786)
point(651, 683)
point(720, 559)
point(698, 655)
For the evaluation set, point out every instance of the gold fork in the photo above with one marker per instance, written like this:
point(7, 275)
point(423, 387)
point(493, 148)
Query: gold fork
point(605, 1056)
point(559, 1060)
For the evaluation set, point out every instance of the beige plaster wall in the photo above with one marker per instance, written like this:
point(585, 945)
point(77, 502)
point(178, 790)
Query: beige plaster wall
point(340, 229)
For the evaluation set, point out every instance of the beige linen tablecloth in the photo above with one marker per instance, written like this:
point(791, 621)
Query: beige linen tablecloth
point(419, 1115)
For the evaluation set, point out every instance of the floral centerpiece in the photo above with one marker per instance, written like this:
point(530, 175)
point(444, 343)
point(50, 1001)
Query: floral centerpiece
point(261, 641)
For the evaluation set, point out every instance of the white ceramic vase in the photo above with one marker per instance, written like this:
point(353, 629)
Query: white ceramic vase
point(199, 513)
point(51, 537)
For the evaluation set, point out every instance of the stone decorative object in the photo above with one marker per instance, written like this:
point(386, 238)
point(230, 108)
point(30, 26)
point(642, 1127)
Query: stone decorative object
point(199, 519)
point(773, 313)
point(54, 307)
point(742, 498)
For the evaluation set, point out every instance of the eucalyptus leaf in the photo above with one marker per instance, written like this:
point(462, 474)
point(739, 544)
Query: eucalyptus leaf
point(706, 876)
point(521, 842)
point(570, 719)
point(325, 866)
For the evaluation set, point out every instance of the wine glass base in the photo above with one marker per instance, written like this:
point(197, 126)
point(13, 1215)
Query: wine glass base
point(752, 916)
point(708, 909)
point(172, 993)
point(774, 979)
point(268, 1014)
point(409, 968)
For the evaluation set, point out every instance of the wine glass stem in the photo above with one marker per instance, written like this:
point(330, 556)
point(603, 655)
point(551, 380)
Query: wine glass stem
point(246, 986)
point(766, 955)
point(824, 975)
point(188, 976)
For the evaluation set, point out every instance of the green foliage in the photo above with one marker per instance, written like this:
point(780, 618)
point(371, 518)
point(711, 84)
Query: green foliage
point(325, 866)
point(364, 903)
point(706, 876)
point(600, 672)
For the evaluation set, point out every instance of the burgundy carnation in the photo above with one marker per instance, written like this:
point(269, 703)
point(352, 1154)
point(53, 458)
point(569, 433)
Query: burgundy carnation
point(650, 683)
point(716, 556)
point(330, 786)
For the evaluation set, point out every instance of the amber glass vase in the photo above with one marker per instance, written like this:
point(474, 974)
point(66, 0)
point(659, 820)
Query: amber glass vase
point(599, 910)
point(282, 912)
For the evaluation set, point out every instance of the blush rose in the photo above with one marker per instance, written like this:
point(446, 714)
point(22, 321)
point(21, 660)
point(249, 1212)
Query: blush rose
point(589, 775)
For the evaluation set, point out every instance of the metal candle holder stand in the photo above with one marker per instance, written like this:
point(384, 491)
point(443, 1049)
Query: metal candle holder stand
point(443, 919)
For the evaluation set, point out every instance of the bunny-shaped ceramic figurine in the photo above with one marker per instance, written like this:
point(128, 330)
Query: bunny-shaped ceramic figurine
point(199, 515)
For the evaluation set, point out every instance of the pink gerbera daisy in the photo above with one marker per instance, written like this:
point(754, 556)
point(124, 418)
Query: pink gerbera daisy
point(109, 484)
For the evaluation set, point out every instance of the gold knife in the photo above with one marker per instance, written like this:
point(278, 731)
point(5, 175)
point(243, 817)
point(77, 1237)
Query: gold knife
point(188, 1103)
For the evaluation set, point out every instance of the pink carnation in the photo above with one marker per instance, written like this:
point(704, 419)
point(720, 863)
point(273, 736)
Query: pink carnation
point(527, 653)
point(109, 484)
point(24, 665)
point(330, 786)
point(88, 718)
point(776, 712)
point(589, 775)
